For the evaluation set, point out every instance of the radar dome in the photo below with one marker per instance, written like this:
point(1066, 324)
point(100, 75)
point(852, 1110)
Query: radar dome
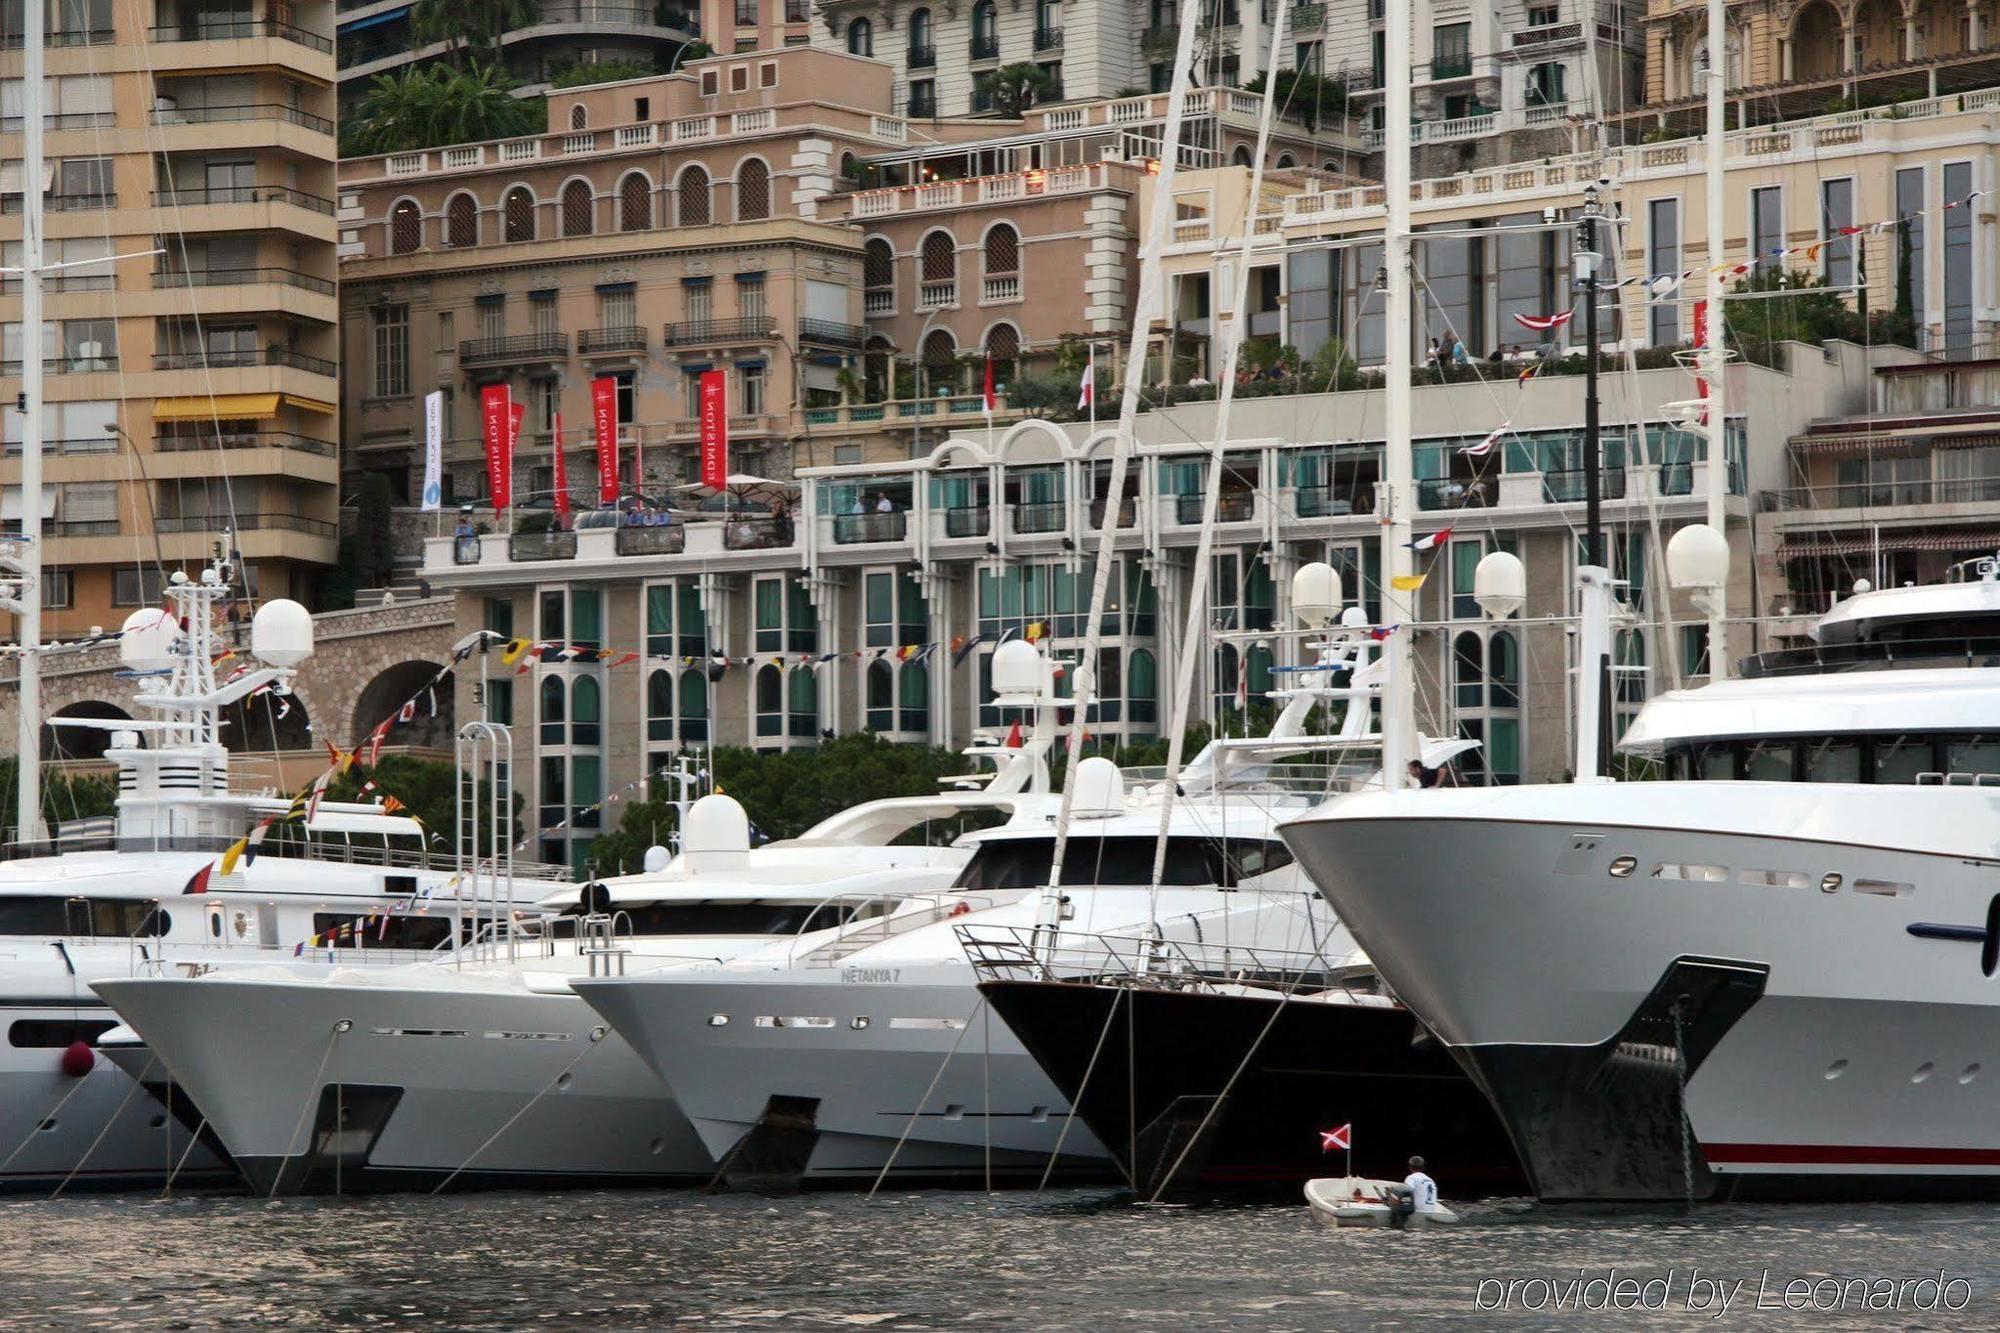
point(1500, 584)
point(1698, 557)
point(717, 833)
point(656, 859)
point(1316, 594)
point(281, 633)
point(1019, 669)
point(1100, 789)
point(146, 641)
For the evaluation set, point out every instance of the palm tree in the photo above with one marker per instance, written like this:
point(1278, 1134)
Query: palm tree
point(430, 106)
point(471, 29)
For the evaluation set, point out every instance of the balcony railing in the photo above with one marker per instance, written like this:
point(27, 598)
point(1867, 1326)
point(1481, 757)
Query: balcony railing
point(831, 333)
point(99, 444)
point(931, 295)
point(923, 57)
point(711, 332)
point(968, 521)
point(1048, 39)
point(1041, 516)
point(1230, 507)
point(221, 115)
point(761, 532)
point(465, 550)
point(1128, 512)
point(87, 527)
point(313, 527)
point(1545, 35)
point(519, 347)
point(626, 338)
point(554, 545)
point(11, 41)
point(65, 120)
point(1453, 493)
point(1882, 494)
point(986, 48)
point(652, 540)
point(203, 28)
point(1568, 486)
point(601, 11)
point(241, 194)
point(881, 301)
point(239, 439)
point(168, 278)
point(65, 365)
point(1456, 65)
point(1322, 502)
point(923, 106)
point(849, 529)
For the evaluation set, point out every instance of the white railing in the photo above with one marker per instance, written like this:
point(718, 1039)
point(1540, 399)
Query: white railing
point(979, 189)
point(932, 295)
point(472, 156)
point(1065, 118)
point(1005, 288)
point(1545, 35)
point(694, 127)
point(890, 127)
point(753, 122)
point(407, 164)
point(874, 203)
point(1548, 113)
point(1131, 111)
point(998, 189)
point(1191, 229)
point(573, 144)
point(636, 136)
point(944, 194)
point(878, 303)
point(520, 150)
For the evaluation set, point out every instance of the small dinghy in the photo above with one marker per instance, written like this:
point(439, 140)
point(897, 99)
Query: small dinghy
point(1356, 1201)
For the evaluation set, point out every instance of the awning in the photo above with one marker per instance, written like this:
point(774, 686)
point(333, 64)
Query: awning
point(1979, 539)
point(374, 20)
point(310, 405)
point(223, 406)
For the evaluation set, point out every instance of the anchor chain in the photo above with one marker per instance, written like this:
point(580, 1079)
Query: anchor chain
point(1681, 1079)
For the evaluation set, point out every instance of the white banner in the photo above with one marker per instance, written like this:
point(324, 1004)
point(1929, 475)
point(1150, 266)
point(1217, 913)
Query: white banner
point(434, 450)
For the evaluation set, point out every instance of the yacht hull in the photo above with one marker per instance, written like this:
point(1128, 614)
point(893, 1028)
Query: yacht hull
point(1821, 1041)
point(315, 1086)
point(1147, 1069)
point(922, 1080)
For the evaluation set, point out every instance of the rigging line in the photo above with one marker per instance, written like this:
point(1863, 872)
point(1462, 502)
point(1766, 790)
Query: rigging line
point(595, 1037)
point(109, 1123)
point(35, 1127)
point(312, 1096)
point(1119, 994)
point(924, 1101)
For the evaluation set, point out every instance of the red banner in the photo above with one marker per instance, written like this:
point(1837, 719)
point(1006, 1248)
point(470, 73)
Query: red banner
point(562, 474)
point(714, 429)
point(493, 429)
point(604, 419)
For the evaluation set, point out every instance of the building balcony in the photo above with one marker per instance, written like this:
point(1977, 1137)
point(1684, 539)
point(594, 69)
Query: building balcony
point(651, 539)
point(854, 529)
point(1568, 486)
point(212, 523)
point(758, 532)
point(520, 349)
point(627, 340)
point(1545, 36)
point(1128, 513)
point(1327, 501)
point(239, 358)
point(1457, 65)
point(718, 332)
point(968, 521)
point(11, 41)
point(64, 365)
point(242, 194)
point(923, 105)
point(985, 48)
point(246, 112)
point(552, 545)
point(937, 295)
point(169, 279)
point(830, 333)
point(209, 438)
point(877, 303)
point(1230, 507)
point(1040, 517)
point(64, 203)
point(231, 28)
point(1048, 39)
point(1308, 18)
point(923, 57)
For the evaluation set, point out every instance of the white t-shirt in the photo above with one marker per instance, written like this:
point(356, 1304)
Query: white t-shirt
point(1423, 1191)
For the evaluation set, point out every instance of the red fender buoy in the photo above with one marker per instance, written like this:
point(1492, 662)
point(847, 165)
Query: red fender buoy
point(78, 1059)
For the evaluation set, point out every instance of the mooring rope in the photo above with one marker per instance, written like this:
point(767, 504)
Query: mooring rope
point(312, 1096)
point(1082, 1088)
point(123, 1102)
point(596, 1035)
point(902, 1138)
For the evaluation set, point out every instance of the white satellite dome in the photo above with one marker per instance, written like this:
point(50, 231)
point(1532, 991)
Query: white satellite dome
point(717, 834)
point(1698, 557)
point(1316, 594)
point(1500, 584)
point(146, 640)
point(281, 633)
point(1019, 669)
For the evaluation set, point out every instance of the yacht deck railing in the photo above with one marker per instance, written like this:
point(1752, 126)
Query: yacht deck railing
point(1025, 953)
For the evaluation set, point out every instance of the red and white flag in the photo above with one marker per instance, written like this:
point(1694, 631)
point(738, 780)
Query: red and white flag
point(1486, 446)
point(1086, 394)
point(1329, 1139)
point(1544, 323)
point(1433, 541)
point(986, 394)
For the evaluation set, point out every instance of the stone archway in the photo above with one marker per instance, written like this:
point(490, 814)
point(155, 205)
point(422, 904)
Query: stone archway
point(1817, 44)
point(81, 742)
point(431, 726)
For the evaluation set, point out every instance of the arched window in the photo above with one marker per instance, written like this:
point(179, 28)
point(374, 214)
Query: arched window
point(1241, 157)
point(1142, 687)
point(940, 257)
point(753, 191)
point(578, 117)
point(693, 192)
point(461, 221)
point(1503, 666)
point(770, 701)
point(914, 714)
point(1285, 162)
point(519, 214)
point(1000, 259)
point(940, 362)
point(635, 202)
point(802, 702)
point(1003, 346)
point(586, 712)
point(578, 209)
point(878, 277)
point(881, 697)
point(920, 35)
point(985, 30)
point(406, 227)
point(849, 170)
point(878, 363)
point(552, 710)
point(861, 38)
point(660, 706)
point(1468, 670)
point(694, 706)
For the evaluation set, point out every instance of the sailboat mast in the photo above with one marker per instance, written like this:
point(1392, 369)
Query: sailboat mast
point(1717, 357)
point(1395, 495)
point(28, 779)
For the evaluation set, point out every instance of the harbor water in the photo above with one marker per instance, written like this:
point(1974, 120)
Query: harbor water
point(1065, 1260)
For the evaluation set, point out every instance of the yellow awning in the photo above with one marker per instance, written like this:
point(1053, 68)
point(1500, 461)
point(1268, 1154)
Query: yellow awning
point(222, 406)
point(310, 404)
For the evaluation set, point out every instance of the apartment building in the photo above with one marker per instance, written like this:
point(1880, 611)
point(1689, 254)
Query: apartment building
point(189, 342)
point(385, 36)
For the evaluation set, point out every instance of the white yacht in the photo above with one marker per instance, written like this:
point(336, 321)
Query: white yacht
point(485, 1068)
point(144, 892)
point(874, 1052)
point(1771, 974)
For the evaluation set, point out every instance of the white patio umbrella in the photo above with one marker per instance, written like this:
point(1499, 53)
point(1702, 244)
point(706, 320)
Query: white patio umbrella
point(744, 487)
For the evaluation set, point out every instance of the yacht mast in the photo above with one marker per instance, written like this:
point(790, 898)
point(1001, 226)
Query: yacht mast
point(28, 611)
point(1393, 493)
point(1715, 358)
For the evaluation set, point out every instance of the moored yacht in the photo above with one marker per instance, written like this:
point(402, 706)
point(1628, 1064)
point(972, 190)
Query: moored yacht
point(1769, 974)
